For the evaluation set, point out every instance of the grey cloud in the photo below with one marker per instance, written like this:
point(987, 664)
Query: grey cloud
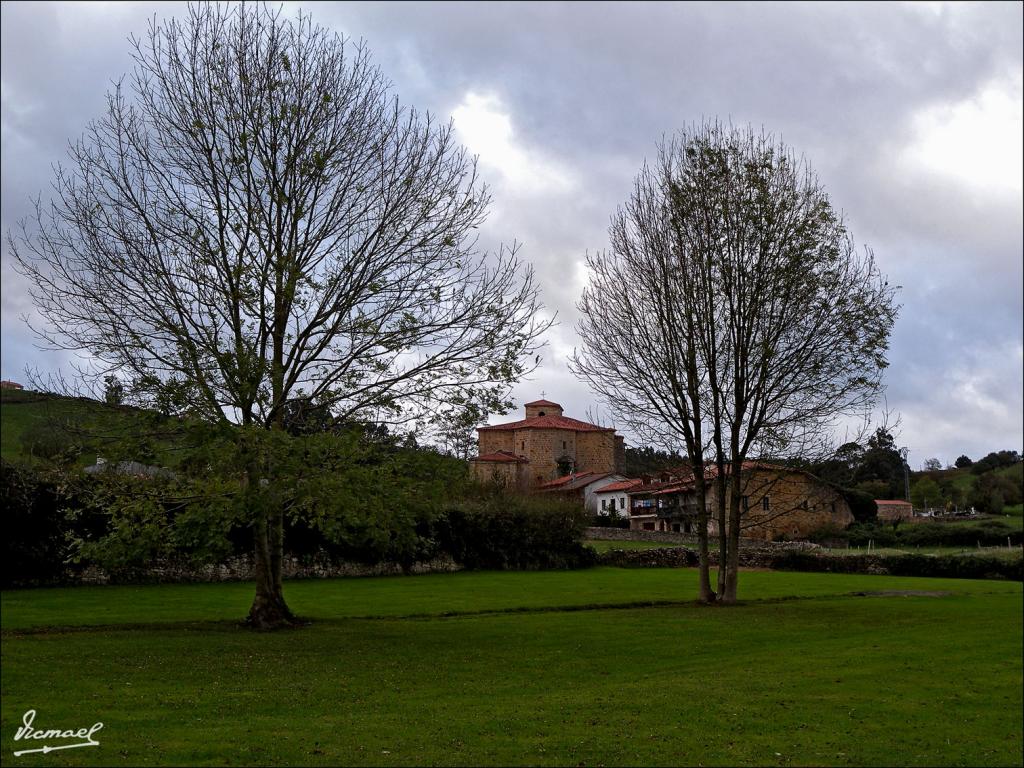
point(593, 87)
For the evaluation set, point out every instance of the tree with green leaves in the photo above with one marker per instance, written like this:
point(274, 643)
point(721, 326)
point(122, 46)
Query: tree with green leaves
point(254, 218)
point(748, 321)
point(925, 494)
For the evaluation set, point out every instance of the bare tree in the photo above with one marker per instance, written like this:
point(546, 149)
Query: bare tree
point(747, 322)
point(256, 215)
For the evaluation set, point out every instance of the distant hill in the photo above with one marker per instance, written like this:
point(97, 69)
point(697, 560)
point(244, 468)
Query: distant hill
point(35, 424)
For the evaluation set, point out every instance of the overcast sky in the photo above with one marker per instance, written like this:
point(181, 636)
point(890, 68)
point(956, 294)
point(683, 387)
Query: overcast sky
point(910, 114)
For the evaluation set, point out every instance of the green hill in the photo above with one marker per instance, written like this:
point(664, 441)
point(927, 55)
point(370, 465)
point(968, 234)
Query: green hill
point(36, 423)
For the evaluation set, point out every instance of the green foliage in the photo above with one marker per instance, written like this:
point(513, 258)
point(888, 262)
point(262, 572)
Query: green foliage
point(995, 460)
point(357, 495)
point(52, 441)
point(934, 566)
point(987, 532)
point(925, 494)
point(962, 462)
point(650, 461)
point(862, 505)
point(510, 531)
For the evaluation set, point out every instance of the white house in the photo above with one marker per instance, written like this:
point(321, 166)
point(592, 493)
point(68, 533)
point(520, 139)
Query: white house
point(612, 499)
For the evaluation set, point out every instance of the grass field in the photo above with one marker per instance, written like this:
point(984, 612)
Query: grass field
point(505, 668)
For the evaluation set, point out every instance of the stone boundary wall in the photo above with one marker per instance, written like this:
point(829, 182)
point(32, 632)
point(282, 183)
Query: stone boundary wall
point(753, 554)
point(242, 569)
point(624, 534)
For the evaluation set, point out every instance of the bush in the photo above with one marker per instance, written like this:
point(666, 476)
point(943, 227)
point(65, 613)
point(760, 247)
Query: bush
point(50, 441)
point(34, 547)
point(515, 532)
point(862, 505)
point(933, 534)
point(609, 521)
point(937, 566)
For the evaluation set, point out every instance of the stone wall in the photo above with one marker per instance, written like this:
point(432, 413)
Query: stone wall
point(624, 534)
point(241, 569)
point(511, 474)
point(798, 505)
point(595, 452)
point(753, 554)
point(494, 440)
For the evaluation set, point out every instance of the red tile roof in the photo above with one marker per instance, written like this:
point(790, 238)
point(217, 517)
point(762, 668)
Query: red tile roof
point(893, 502)
point(620, 485)
point(502, 456)
point(544, 402)
point(573, 482)
point(549, 422)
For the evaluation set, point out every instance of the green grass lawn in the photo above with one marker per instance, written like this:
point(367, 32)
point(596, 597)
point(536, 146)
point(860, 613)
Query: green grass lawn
point(827, 678)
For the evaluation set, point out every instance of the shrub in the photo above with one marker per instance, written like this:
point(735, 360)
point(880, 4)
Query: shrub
point(515, 532)
point(34, 546)
point(50, 441)
point(944, 566)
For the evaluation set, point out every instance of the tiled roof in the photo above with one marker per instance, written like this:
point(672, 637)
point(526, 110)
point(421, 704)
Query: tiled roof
point(619, 485)
point(573, 482)
point(893, 502)
point(502, 456)
point(544, 402)
point(549, 422)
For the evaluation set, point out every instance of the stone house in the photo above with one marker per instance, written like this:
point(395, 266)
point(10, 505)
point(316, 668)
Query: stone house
point(894, 509)
point(777, 502)
point(544, 446)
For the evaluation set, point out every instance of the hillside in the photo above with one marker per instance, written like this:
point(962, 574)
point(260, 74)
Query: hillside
point(33, 423)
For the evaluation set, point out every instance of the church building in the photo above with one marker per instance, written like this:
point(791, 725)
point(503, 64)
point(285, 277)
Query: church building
point(544, 446)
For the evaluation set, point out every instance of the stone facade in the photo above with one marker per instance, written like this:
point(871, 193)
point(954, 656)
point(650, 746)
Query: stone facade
point(550, 443)
point(777, 503)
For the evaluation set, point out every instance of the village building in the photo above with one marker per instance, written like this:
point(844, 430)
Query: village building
point(613, 500)
point(582, 488)
point(544, 446)
point(777, 502)
point(894, 509)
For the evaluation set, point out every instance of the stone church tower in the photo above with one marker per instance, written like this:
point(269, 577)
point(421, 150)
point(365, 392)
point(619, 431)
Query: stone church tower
point(543, 446)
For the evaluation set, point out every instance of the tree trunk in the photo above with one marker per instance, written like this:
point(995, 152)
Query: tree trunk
point(705, 594)
point(732, 569)
point(269, 610)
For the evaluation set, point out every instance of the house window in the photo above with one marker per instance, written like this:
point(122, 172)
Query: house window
point(746, 503)
point(522, 445)
point(565, 445)
point(604, 503)
point(540, 413)
point(622, 502)
point(764, 503)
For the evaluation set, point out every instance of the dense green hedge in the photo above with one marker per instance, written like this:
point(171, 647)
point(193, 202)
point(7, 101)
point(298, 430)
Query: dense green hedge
point(515, 532)
point(941, 566)
point(57, 524)
point(987, 532)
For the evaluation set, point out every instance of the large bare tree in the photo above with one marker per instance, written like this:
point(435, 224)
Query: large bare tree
point(733, 316)
point(254, 217)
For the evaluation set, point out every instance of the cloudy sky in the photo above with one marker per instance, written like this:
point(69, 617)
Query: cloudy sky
point(911, 115)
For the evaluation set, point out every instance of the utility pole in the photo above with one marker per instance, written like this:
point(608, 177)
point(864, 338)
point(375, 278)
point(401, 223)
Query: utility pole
point(906, 473)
